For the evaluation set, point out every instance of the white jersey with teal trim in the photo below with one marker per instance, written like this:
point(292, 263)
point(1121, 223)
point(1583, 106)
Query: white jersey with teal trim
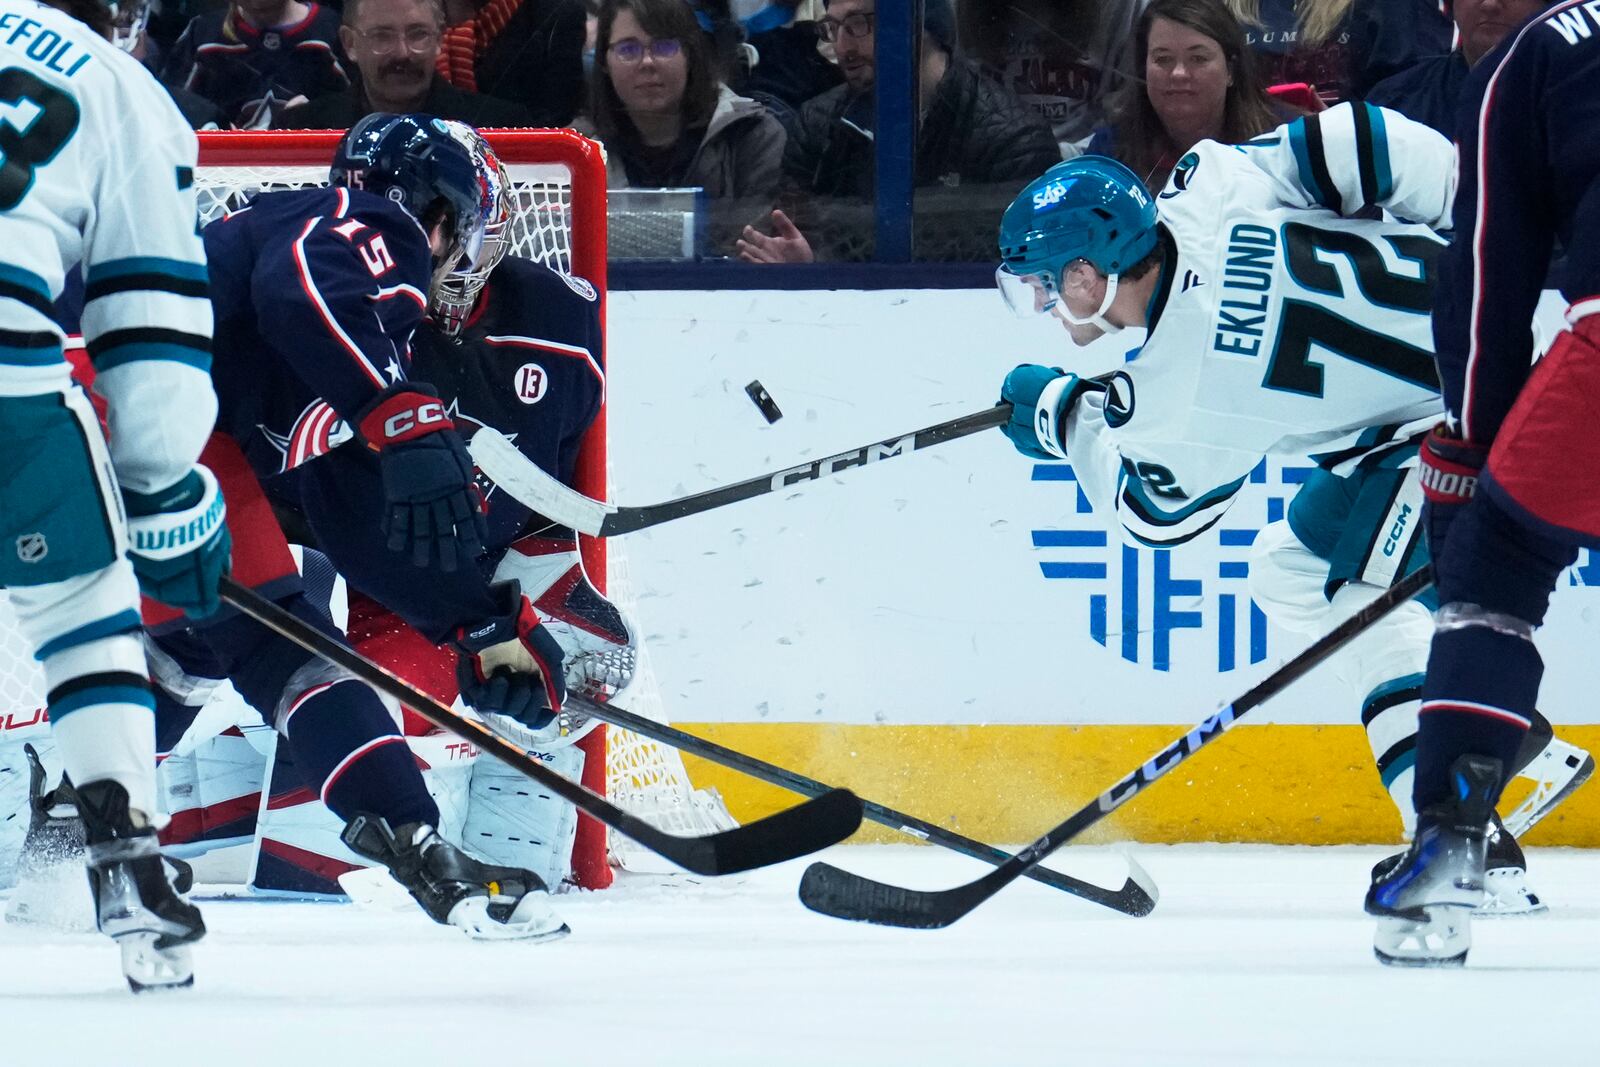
point(1279, 326)
point(99, 170)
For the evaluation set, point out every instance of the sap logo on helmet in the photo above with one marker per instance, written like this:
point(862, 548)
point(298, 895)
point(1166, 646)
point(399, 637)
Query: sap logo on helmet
point(1051, 194)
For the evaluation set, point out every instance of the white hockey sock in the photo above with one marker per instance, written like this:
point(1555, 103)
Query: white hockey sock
point(104, 723)
point(1389, 714)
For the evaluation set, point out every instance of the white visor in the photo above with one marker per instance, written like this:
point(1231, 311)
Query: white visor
point(1026, 295)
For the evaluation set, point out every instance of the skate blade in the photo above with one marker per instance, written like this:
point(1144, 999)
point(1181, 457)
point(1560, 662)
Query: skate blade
point(149, 969)
point(1507, 895)
point(532, 920)
point(1442, 940)
point(1575, 768)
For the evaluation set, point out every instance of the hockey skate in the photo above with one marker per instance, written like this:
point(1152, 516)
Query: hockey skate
point(53, 854)
point(487, 902)
point(1424, 902)
point(135, 902)
point(1557, 770)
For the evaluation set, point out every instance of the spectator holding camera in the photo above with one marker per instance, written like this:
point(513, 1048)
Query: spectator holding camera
point(1199, 83)
point(668, 121)
point(395, 46)
point(976, 145)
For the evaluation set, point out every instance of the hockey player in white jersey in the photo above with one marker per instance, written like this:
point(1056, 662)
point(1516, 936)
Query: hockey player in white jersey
point(98, 171)
point(1285, 287)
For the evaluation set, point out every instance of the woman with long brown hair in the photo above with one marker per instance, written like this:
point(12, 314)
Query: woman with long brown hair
point(1199, 83)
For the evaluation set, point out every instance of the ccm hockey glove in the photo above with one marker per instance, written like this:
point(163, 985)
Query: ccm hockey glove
point(178, 542)
point(433, 509)
point(510, 664)
point(1448, 467)
point(1041, 399)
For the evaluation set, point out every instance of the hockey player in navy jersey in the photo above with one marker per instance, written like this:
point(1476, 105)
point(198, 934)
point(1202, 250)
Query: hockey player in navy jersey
point(1284, 317)
point(316, 295)
point(101, 174)
point(514, 345)
point(1510, 475)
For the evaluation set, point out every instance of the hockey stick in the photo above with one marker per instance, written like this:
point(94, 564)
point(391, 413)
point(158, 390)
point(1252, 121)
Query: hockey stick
point(1137, 896)
point(796, 831)
point(831, 891)
point(508, 468)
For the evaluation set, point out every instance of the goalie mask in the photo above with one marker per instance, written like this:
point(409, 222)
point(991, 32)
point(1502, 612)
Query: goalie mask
point(454, 297)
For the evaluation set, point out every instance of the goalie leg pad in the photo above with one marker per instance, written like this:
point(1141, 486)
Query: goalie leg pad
point(512, 821)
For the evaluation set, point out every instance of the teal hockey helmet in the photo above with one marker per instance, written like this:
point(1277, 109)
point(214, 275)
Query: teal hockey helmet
point(1090, 208)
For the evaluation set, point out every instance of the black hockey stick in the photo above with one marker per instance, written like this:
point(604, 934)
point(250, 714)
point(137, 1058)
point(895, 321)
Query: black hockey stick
point(796, 831)
point(1137, 895)
point(831, 891)
point(508, 468)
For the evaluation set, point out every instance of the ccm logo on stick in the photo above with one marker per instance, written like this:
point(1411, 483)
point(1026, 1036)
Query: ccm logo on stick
point(808, 472)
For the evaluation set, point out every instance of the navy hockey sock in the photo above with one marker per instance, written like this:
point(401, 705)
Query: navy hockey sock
point(1478, 698)
point(348, 749)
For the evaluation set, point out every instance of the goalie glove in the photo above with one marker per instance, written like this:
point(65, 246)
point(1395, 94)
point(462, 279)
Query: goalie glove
point(510, 664)
point(178, 542)
point(433, 508)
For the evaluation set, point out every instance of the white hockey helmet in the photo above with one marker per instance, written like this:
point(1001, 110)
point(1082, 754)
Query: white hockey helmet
point(454, 297)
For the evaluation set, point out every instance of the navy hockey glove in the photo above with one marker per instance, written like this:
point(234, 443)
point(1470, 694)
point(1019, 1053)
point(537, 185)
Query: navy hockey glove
point(433, 508)
point(1041, 399)
point(1448, 467)
point(510, 664)
point(178, 542)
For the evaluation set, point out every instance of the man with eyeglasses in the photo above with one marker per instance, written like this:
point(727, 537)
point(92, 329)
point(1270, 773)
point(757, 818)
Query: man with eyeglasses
point(974, 138)
point(395, 46)
point(253, 58)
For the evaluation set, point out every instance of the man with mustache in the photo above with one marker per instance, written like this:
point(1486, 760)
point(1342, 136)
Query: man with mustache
point(395, 46)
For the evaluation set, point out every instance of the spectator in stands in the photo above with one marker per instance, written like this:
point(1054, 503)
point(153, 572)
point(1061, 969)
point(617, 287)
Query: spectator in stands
point(668, 121)
point(1200, 83)
point(1065, 59)
point(395, 45)
point(253, 58)
point(129, 29)
point(976, 146)
point(529, 52)
point(790, 67)
point(1341, 47)
point(1428, 92)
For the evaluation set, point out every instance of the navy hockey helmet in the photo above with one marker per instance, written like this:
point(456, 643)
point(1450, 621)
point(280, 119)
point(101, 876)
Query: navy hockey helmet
point(417, 162)
point(1090, 208)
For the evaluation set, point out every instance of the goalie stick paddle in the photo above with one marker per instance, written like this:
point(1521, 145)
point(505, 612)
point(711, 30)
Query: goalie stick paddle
point(1136, 896)
point(804, 828)
point(831, 891)
point(519, 476)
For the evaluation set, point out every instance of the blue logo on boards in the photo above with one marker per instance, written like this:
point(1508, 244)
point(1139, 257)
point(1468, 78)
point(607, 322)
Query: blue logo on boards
point(1140, 601)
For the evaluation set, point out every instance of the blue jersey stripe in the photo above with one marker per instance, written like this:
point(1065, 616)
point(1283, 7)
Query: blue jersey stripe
point(12, 356)
point(1302, 157)
point(122, 622)
point(101, 694)
point(136, 351)
point(184, 270)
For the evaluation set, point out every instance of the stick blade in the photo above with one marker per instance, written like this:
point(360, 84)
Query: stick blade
point(791, 833)
point(829, 890)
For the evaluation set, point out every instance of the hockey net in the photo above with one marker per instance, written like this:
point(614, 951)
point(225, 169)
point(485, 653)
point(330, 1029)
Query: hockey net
point(560, 220)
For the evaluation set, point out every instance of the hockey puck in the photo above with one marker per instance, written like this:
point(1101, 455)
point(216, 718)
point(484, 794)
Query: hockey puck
point(763, 400)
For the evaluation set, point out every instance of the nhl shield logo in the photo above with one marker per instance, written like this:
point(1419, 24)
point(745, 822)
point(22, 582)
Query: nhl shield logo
point(31, 548)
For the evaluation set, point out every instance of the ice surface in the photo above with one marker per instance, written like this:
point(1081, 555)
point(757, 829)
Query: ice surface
point(1255, 955)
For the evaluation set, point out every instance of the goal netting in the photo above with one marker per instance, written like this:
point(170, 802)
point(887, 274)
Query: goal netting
point(560, 220)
